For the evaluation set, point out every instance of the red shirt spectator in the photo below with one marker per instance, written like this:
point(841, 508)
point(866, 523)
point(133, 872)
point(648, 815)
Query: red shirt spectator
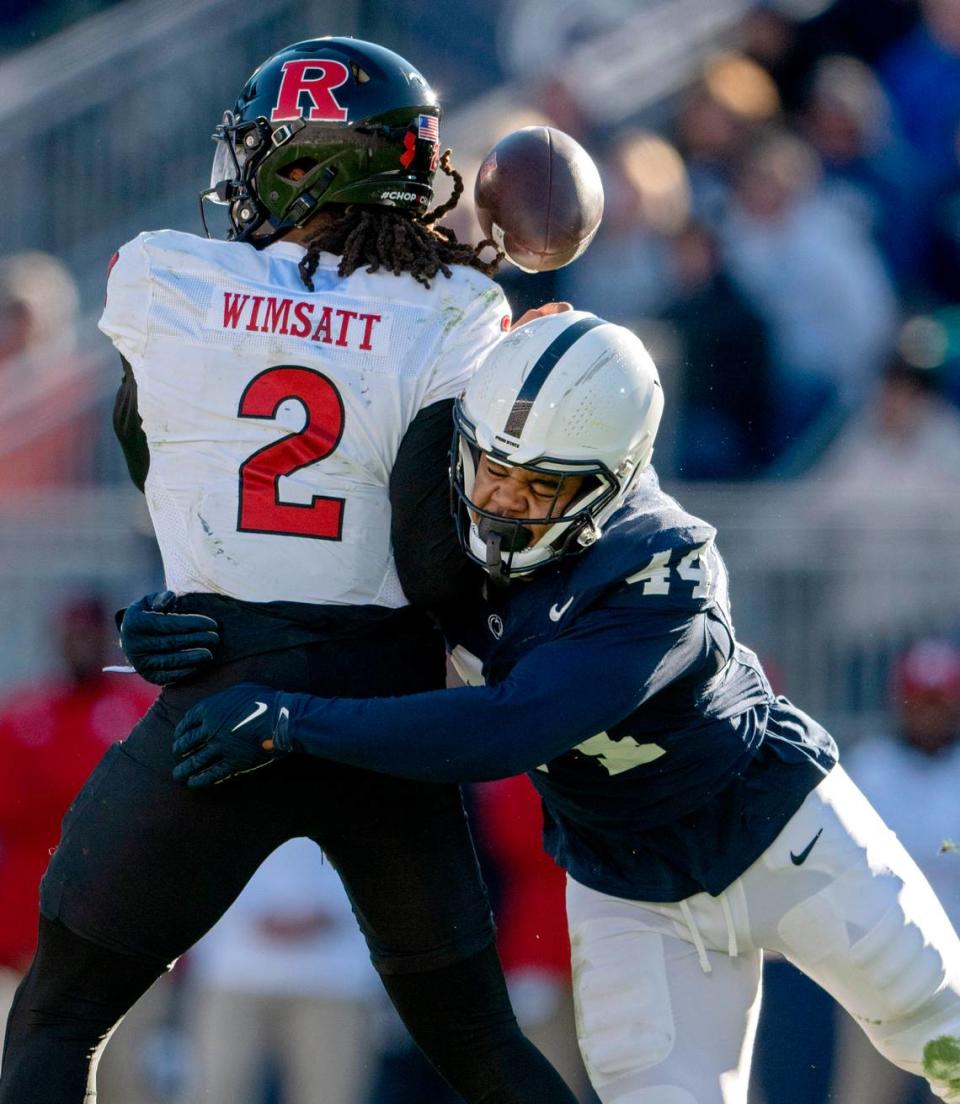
point(52, 733)
point(531, 919)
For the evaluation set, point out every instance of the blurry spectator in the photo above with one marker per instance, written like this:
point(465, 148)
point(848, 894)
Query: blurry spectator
point(865, 28)
point(531, 921)
point(892, 471)
point(38, 313)
point(848, 120)
point(811, 273)
point(624, 276)
point(939, 332)
point(14, 325)
point(545, 46)
point(910, 777)
point(404, 1076)
point(795, 1039)
point(773, 40)
point(922, 75)
point(715, 124)
point(788, 36)
point(724, 370)
point(284, 982)
point(907, 437)
point(909, 773)
point(45, 427)
point(51, 736)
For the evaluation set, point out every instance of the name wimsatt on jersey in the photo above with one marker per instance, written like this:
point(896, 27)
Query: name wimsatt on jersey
point(308, 319)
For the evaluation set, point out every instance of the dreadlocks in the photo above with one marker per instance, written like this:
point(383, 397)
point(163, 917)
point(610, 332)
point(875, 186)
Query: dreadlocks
point(380, 237)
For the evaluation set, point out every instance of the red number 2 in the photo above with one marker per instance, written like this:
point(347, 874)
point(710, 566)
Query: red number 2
point(261, 510)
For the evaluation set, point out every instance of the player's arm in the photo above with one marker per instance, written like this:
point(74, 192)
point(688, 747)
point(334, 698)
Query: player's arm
point(559, 695)
point(125, 322)
point(432, 568)
point(128, 427)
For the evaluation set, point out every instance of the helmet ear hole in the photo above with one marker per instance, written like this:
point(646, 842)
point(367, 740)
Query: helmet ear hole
point(298, 169)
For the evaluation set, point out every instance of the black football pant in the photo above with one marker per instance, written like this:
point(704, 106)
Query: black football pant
point(145, 867)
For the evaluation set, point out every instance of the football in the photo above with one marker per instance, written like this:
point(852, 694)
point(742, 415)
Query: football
point(539, 197)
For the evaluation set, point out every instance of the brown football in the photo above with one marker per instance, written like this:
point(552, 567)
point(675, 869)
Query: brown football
point(538, 196)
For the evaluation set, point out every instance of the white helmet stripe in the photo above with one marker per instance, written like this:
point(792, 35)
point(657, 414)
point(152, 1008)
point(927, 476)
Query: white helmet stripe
point(538, 374)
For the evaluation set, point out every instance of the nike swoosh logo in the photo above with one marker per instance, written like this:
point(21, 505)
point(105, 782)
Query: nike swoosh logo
point(799, 860)
point(556, 612)
point(261, 709)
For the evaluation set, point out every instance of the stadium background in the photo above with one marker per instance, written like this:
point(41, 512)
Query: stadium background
point(782, 227)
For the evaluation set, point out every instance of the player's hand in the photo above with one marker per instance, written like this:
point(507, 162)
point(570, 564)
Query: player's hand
point(542, 312)
point(235, 731)
point(165, 647)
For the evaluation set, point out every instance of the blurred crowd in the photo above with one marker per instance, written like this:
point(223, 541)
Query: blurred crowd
point(783, 229)
point(786, 239)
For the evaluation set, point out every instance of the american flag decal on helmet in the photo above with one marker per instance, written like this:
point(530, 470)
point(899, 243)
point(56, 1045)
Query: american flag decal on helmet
point(428, 128)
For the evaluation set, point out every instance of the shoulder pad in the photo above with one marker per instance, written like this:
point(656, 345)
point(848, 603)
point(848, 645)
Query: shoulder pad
point(467, 296)
point(654, 549)
point(130, 265)
point(177, 247)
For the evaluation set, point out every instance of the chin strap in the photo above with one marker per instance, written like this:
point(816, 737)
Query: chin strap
point(499, 537)
point(493, 563)
point(261, 241)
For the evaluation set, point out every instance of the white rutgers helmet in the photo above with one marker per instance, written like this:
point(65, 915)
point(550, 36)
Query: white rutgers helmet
point(567, 394)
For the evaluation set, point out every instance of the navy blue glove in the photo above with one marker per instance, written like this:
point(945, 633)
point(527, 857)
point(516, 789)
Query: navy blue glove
point(223, 735)
point(166, 647)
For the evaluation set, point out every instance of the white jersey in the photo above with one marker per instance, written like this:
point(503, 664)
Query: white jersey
point(273, 415)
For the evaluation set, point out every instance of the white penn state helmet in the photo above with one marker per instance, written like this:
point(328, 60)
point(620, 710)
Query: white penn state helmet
point(568, 394)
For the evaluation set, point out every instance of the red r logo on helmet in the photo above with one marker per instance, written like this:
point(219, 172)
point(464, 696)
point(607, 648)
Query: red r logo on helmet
point(329, 75)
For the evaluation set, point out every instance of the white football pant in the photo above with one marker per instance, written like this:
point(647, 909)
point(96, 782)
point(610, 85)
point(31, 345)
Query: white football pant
point(668, 995)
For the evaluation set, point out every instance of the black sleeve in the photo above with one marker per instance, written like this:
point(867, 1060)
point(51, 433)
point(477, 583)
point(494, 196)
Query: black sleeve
point(433, 570)
point(129, 428)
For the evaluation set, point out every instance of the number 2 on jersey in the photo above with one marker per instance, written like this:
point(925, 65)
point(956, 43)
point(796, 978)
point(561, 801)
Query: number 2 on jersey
point(261, 510)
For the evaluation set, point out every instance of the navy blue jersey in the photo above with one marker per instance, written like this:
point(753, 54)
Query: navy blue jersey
point(665, 763)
